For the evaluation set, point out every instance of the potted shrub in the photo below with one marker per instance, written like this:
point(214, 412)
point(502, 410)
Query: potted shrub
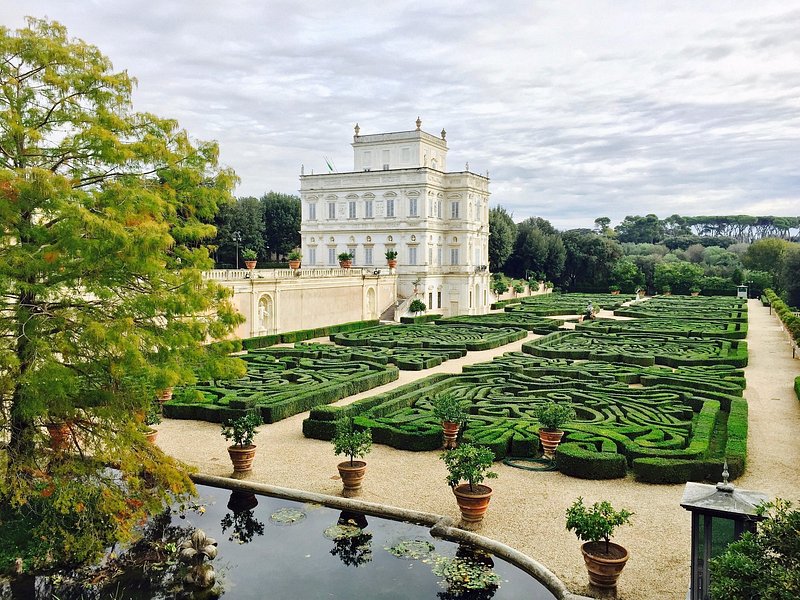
point(551, 417)
point(694, 290)
point(249, 255)
point(241, 432)
point(345, 260)
point(594, 526)
point(354, 444)
point(152, 417)
point(518, 287)
point(666, 290)
point(391, 258)
point(471, 464)
point(447, 408)
point(294, 259)
point(614, 289)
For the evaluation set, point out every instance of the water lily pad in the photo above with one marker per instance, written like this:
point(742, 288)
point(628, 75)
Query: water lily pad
point(341, 532)
point(412, 549)
point(287, 516)
point(461, 574)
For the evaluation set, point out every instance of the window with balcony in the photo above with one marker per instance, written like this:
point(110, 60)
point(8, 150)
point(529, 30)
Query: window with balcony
point(312, 256)
point(332, 256)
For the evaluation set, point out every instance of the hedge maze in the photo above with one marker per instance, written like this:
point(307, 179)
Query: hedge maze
point(445, 337)
point(536, 324)
point(673, 351)
point(280, 383)
point(673, 425)
point(566, 304)
point(405, 359)
point(673, 327)
point(660, 395)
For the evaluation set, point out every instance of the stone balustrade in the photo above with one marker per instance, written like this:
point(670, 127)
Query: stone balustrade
point(313, 273)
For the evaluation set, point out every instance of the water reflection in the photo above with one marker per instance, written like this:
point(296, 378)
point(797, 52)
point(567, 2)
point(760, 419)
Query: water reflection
point(351, 544)
point(241, 520)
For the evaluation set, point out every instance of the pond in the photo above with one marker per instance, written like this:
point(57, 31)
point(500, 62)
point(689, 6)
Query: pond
point(286, 550)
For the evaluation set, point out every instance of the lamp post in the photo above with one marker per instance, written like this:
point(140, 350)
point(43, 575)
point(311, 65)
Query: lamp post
point(720, 515)
point(236, 236)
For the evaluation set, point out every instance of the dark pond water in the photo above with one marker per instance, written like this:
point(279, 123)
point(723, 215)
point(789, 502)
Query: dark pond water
point(282, 550)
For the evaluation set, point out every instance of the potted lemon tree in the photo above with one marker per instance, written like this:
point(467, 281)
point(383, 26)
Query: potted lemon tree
point(354, 444)
point(594, 526)
point(470, 463)
point(447, 408)
point(241, 431)
point(552, 417)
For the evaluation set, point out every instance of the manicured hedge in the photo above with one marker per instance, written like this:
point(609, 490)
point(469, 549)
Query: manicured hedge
point(468, 337)
point(797, 387)
point(791, 322)
point(704, 328)
point(291, 337)
point(421, 318)
point(678, 415)
point(279, 386)
point(643, 349)
point(537, 324)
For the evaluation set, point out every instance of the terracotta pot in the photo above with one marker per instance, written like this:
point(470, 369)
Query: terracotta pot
point(151, 434)
point(60, 435)
point(473, 505)
point(695, 293)
point(242, 457)
point(345, 264)
point(164, 395)
point(392, 263)
point(615, 292)
point(294, 264)
point(550, 439)
point(352, 475)
point(450, 431)
point(250, 264)
point(604, 569)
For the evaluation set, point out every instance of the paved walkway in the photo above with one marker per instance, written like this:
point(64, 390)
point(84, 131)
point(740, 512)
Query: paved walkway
point(527, 510)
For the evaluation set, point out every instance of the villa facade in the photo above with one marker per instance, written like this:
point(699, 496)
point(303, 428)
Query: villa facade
point(401, 197)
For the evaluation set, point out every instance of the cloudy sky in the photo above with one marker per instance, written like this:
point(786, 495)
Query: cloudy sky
point(577, 109)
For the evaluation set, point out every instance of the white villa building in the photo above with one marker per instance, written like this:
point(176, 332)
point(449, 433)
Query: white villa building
point(399, 196)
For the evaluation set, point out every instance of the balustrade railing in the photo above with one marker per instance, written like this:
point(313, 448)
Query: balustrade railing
point(313, 273)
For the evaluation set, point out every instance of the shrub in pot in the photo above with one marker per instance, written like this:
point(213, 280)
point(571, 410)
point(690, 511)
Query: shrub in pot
point(470, 463)
point(594, 526)
point(241, 432)
point(249, 255)
point(391, 258)
point(294, 259)
point(152, 417)
point(552, 417)
point(345, 260)
point(353, 444)
point(447, 408)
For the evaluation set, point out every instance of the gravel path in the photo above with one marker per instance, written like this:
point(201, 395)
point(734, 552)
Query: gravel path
point(527, 508)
